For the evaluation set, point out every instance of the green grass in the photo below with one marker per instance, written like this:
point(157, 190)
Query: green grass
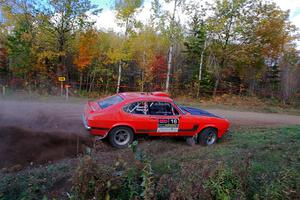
point(256, 163)
point(262, 155)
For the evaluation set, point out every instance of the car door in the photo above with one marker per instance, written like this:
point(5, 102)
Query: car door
point(166, 118)
point(136, 114)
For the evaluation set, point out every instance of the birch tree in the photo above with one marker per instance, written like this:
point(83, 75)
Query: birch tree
point(126, 10)
point(195, 47)
point(169, 24)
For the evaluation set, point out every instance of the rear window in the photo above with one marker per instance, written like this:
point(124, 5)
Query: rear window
point(110, 101)
point(180, 108)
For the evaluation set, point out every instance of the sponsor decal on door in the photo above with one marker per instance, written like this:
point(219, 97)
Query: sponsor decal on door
point(167, 125)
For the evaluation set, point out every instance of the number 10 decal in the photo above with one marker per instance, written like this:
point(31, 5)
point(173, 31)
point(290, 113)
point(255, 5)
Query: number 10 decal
point(167, 125)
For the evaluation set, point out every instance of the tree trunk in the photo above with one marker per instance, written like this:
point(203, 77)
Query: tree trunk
point(200, 69)
point(87, 82)
point(92, 82)
point(198, 89)
point(106, 87)
point(107, 82)
point(80, 81)
point(142, 82)
point(201, 62)
point(171, 47)
point(119, 76)
point(143, 71)
point(169, 68)
point(252, 87)
point(216, 86)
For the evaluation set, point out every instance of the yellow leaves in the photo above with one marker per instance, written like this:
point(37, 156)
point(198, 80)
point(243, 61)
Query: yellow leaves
point(119, 50)
point(272, 34)
point(126, 8)
point(116, 55)
point(146, 45)
point(27, 37)
point(50, 55)
point(45, 57)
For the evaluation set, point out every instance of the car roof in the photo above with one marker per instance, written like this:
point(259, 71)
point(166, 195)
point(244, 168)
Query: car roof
point(146, 96)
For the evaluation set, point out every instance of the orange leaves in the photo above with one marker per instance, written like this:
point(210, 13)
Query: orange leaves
point(159, 69)
point(87, 50)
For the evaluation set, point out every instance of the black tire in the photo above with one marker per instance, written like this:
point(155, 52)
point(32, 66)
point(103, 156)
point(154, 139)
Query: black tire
point(208, 136)
point(121, 137)
point(191, 141)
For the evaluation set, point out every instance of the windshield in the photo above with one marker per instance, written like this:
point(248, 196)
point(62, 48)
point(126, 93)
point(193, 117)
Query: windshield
point(110, 101)
point(180, 108)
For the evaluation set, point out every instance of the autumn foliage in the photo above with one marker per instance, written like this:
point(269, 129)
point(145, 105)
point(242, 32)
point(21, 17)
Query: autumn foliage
point(87, 50)
point(242, 47)
point(158, 68)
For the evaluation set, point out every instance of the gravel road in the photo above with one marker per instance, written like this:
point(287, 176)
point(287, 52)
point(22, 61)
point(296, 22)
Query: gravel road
point(34, 132)
point(65, 117)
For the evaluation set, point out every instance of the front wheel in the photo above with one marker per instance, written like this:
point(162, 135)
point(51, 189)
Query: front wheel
point(121, 137)
point(208, 136)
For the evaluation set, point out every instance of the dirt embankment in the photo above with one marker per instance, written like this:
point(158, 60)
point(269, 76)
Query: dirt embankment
point(24, 147)
point(37, 133)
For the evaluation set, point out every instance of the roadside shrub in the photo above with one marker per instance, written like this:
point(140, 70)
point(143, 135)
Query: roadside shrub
point(147, 181)
point(138, 184)
point(91, 181)
point(285, 186)
point(34, 183)
point(131, 188)
point(145, 174)
point(225, 185)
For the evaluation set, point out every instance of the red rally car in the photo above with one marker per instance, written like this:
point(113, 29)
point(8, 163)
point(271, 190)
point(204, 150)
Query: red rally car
point(124, 115)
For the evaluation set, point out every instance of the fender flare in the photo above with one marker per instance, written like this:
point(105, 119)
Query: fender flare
point(209, 126)
point(122, 124)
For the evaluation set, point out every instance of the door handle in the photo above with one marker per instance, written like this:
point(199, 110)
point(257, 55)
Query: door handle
point(153, 118)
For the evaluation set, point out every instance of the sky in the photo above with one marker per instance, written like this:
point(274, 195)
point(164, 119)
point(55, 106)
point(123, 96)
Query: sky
point(106, 19)
point(294, 7)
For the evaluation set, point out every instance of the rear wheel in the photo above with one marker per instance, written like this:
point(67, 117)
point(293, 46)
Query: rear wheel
point(121, 137)
point(208, 136)
point(191, 141)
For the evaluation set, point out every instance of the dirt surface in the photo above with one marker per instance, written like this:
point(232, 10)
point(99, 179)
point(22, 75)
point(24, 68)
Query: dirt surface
point(34, 132)
point(20, 147)
point(257, 119)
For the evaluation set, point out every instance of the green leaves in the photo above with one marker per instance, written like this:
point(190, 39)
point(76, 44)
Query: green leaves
point(126, 10)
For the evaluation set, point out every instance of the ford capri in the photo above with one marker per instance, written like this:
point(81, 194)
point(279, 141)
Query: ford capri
point(123, 116)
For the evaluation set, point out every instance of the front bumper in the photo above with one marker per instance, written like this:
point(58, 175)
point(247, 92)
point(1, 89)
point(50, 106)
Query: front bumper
point(85, 123)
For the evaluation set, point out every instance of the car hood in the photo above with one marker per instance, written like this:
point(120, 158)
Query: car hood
point(197, 111)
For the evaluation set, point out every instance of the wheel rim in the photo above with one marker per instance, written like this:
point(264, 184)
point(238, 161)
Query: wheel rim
point(211, 138)
point(122, 137)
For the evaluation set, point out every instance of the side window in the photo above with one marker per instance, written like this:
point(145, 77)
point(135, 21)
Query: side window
point(162, 108)
point(110, 101)
point(137, 108)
